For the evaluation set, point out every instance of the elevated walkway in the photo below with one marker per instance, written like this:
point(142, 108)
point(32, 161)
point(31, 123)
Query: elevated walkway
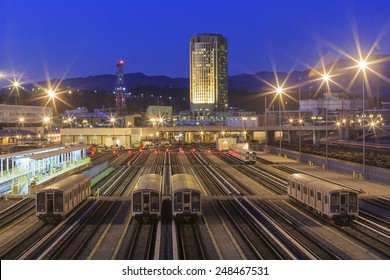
point(37, 168)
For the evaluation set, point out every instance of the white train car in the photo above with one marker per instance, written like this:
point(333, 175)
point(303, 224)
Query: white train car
point(247, 156)
point(328, 199)
point(59, 199)
point(146, 196)
point(186, 196)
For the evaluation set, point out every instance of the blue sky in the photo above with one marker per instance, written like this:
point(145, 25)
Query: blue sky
point(78, 38)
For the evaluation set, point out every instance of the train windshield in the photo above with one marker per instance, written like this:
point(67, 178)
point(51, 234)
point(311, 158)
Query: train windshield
point(335, 202)
point(58, 202)
point(41, 202)
point(352, 202)
point(195, 201)
point(154, 202)
point(137, 202)
point(178, 201)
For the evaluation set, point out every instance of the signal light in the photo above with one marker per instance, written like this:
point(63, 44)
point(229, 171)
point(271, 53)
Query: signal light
point(92, 153)
point(129, 152)
point(209, 151)
point(114, 152)
point(193, 150)
point(167, 150)
point(155, 151)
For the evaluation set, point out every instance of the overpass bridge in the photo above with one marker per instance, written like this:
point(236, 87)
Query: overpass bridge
point(126, 137)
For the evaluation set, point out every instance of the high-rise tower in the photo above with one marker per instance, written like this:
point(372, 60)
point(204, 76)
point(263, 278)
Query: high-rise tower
point(208, 74)
point(120, 90)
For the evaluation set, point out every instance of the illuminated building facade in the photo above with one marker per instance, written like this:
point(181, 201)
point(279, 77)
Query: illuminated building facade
point(208, 74)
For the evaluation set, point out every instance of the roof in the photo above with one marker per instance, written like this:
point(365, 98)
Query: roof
point(184, 181)
point(31, 152)
point(148, 182)
point(67, 183)
point(318, 184)
point(57, 152)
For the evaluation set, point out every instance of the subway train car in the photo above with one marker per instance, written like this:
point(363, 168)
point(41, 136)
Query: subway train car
point(335, 202)
point(247, 156)
point(59, 199)
point(186, 196)
point(146, 196)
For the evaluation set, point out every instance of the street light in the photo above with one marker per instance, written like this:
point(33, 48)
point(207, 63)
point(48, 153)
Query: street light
point(112, 121)
point(21, 120)
point(279, 91)
point(362, 66)
point(326, 78)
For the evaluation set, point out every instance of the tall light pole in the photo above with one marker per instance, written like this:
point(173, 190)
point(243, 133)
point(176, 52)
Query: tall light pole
point(265, 121)
point(325, 77)
point(112, 120)
point(362, 67)
point(279, 91)
point(300, 124)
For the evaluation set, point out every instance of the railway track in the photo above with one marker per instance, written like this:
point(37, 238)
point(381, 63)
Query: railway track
point(297, 231)
point(17, 249)
point(256, 240)
point(17, 211)
point(70, 245)
point(142, 247)
point(190, 245)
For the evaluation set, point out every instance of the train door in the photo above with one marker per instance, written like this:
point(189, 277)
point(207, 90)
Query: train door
point(50, 202)
point(146, 203)
point(187, 202)
point(41, 202)
point(311, 198)
point(299, 192)
point(343, 203)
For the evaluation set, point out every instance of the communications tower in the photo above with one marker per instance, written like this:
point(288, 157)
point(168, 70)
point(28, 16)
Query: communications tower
point(120, 92)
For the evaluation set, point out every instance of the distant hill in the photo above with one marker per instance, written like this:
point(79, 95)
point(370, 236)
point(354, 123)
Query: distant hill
point(248, 82)
point(246, 91)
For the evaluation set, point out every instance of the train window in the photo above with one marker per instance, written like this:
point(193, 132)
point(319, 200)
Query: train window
point(293, 185)
point(305, 190)
point(334, 202)
point(299, 187)
point(58, 202)
point(319, 196)
point(178, 199)
point(154, 202)
point(137, 202)
point(311, 193)
point(195, 201)
point(352, 202)
point(41, 202)
point(326, 199)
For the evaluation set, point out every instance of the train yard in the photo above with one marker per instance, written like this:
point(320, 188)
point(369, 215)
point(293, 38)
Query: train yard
point(244, 211)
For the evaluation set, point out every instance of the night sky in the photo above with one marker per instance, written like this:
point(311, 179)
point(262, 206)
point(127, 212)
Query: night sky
point(78, 38)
